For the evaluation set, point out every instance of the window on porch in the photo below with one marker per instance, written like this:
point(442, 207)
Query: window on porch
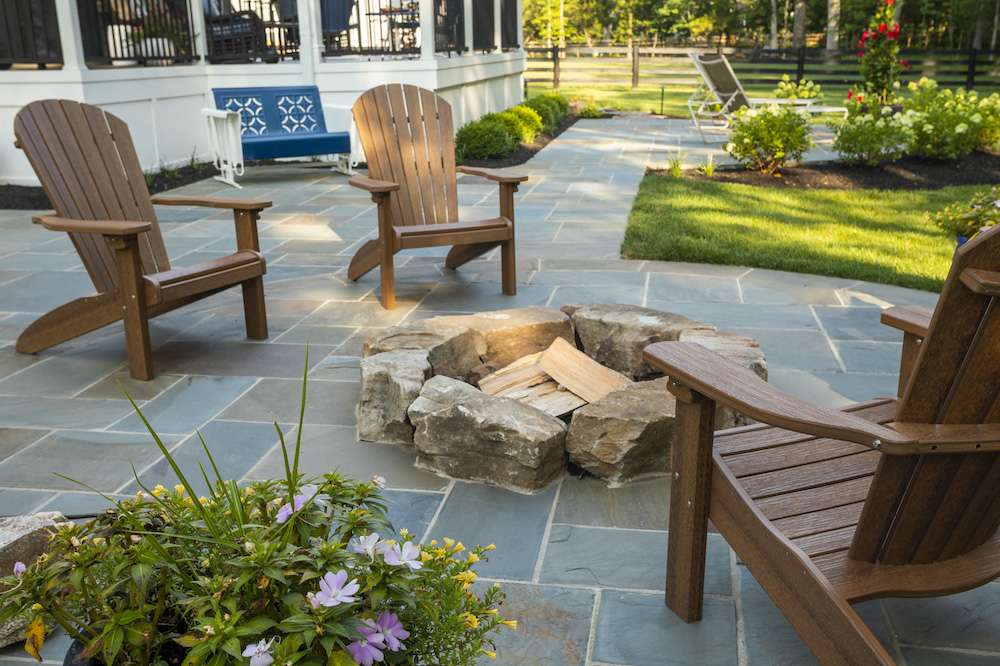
point(136, 32)
point(251, 30)
point(29, 34)
point(370, 27)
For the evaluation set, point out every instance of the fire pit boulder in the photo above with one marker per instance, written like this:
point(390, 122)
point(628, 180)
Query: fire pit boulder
point(507, 397)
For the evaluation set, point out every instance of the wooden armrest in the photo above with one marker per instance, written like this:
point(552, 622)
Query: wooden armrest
point(696, 368)
point(982, 282)
point(946, 438)
point(372, 185)
point(213, 202)
point(103, 227)
point(909, 319)
point(493, 174)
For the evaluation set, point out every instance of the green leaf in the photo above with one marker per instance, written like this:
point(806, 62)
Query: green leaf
point(340, 658)
point(113, 643)
point(233, 648)
point(141, 574)
point(187, 640)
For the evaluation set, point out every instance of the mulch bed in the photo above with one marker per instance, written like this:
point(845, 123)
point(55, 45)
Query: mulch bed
point(524, 151)
point(22, 197)
point(912, 173)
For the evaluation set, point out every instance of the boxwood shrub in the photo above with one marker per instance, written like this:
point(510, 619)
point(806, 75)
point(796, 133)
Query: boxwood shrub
point(498, 134)
point(483, 139)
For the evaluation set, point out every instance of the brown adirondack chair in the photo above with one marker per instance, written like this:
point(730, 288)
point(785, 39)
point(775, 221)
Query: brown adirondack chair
point(895, 497)
point(409, 143)
point(85, 160)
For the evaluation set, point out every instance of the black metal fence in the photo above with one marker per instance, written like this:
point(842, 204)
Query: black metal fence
point(125, 32)
point(756, 68)
point(251, 30)
point(370, 27)
point(508, 25)
point(449, 26)
point(483, 22)
point(29, 33)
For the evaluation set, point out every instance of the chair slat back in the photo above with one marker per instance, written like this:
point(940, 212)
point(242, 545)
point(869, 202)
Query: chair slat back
point(928, 508)
point(409, 138)
point(720, 77)
point(87, 164)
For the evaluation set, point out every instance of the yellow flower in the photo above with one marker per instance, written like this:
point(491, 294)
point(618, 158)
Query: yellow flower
point(35, 638)
point(448, 543)
point(509, 623)
point(471, 620)
point(36, 607)
point(158, 490)
point(490, 653)
point(433, 542)
point(404, 532)
point(473, 558)
point(179, 489)
point(490, 547)
point(426, 557)
point(459, 547)
point(467, 578)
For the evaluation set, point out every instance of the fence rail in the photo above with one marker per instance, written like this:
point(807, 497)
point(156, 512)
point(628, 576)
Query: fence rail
point(670, 66)
point(29, 33)
point(120, 32)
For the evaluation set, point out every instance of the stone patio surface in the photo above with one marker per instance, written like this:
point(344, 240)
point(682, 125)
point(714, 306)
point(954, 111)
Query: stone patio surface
point(583, 566)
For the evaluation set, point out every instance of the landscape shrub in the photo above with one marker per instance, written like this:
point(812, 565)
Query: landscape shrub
point(874, 138)
point(805, 89)
point(485, 138)
point(946, 124)
point(549, 109)
point(561, 101)
point(766, 139)
point(516, 124)
point(590, 110)
point(529, 117)
point(968, 219)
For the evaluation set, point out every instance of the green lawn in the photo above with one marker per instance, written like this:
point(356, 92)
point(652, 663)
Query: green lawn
point(880, 236)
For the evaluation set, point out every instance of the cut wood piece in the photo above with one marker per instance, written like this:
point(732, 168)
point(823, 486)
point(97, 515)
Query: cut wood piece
point(521, 374)
point(579, 373)
point(548, 397)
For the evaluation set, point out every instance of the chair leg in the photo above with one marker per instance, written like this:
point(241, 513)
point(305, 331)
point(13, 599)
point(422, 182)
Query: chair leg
point(387, 274)
point(508, 268)
point(254, 309)
point(132, 297)
point(690, 490)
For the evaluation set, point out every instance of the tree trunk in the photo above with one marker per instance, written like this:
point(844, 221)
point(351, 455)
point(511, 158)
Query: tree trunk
point(799, 25)
point(562, 24)
point(996, 25)
point(773, 43)
point(898, 13)
point(980, 32)
point(833, 25)
point(548, 23)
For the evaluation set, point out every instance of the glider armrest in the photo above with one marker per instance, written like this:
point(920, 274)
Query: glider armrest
point(911, 319)
point(495, 175)
point(693, 367)
point(103, 227)
point(371, 185)
point(213, 202)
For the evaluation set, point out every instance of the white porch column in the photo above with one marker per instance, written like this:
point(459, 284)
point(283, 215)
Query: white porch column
point(427, 29)
point(498, 24)
point(310, 44)
point(468, 9)
point(70, 39)
point(197, 9)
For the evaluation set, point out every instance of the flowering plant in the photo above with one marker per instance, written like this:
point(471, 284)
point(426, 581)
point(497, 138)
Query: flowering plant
point(946, 124)
point(804, 89)
point(768, 138)
point(878, 50)
point(967, 220)
point(293, 571)
point(874, 137)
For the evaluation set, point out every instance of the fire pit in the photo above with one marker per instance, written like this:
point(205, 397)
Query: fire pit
point(507, 397)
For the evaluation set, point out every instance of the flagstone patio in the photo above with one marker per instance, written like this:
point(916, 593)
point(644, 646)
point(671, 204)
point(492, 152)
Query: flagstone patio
point(583, 566)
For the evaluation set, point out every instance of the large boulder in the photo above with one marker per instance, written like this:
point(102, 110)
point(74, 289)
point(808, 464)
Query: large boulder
point(740, 350)
point(23, 539)
point(615, 335)
point(625, 434)
point(452, 350)
point(390, 382)
point(466, 434)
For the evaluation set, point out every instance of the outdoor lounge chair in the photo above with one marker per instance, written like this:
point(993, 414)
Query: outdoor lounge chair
point(408, 138)
point(85, 160)
point(726, 95)
point(894, 497)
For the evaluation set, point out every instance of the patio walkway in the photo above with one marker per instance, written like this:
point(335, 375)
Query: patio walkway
point(582, 565)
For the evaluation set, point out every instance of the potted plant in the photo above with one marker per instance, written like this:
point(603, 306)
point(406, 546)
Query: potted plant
point(966, 220)
point(293, 571)
point(157, 36)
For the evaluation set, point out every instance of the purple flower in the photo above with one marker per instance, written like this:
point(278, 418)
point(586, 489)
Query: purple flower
point(298, 501)
point(407, 556)
point(260, 654)
point(392, 630)
point(368, 649)
point(367, 545)
point(19, 568)
point(335, 590)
